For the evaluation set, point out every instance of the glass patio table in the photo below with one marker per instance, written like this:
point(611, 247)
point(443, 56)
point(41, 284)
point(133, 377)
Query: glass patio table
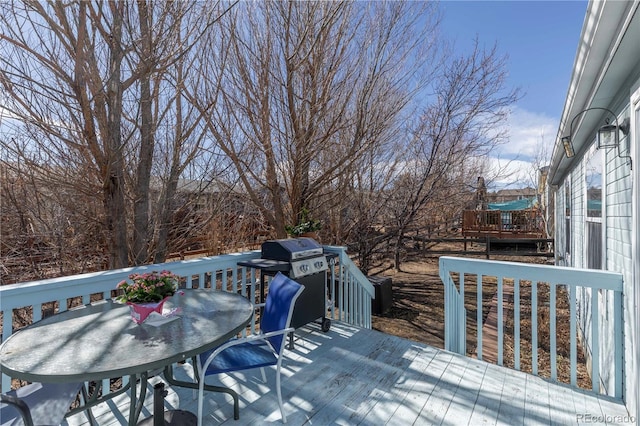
point(100, 341)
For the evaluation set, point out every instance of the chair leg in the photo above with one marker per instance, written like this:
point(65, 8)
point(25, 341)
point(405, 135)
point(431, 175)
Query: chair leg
point(196, 373)
point(284, 416)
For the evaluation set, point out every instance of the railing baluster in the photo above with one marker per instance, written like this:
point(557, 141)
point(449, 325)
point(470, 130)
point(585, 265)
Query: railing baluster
point(553, 352)
point(252, 289)
point(516, 323)
point(449, 307)
point(343, 295)
point(354, 304)
point(574, 336)
point(479, 315)
point(341, 292)
point(234, 280)
point(534, 327)
point(462, 334)
point(348, 306)
point(37, 312)
point(595, 347)
point(7, 330)
point(500, 321)
point(618, 321)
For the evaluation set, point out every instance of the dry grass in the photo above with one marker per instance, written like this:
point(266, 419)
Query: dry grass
point(563, 363)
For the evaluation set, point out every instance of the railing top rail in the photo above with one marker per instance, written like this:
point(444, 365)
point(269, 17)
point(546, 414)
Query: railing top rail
point(48, 289)
point(594, 278)
point(355, 271)
point(178, 267)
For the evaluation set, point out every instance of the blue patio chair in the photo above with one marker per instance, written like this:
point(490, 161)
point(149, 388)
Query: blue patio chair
point(38, 404)
point(258, 350)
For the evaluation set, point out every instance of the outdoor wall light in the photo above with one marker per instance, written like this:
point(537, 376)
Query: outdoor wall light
point(608, 135)
point(568, 148)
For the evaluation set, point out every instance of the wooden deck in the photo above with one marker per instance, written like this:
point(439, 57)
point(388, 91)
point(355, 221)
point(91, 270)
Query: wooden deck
point(352, 376)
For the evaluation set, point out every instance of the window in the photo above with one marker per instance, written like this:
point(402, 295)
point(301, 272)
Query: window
point(567, 214)
point(593, 185)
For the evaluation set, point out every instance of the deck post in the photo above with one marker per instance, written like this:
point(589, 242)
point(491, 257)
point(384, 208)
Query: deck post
point(488, 246)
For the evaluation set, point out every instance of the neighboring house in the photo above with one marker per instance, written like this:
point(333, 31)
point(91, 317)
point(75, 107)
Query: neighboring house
point(506, 195)
point(595, 180)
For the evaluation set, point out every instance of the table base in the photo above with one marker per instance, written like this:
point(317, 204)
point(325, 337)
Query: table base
point(168, 376)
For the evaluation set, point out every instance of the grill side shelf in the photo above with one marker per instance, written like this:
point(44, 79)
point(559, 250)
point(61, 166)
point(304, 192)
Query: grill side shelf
point(267, 265)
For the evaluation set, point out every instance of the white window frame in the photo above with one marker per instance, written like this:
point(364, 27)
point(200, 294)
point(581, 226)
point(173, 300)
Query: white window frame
point(592, 152)
point(634, 147)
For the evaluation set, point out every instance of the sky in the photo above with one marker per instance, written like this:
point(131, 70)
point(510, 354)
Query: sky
point(540, 39)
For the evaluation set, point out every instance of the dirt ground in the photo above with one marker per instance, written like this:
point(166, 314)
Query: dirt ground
point(417, 313)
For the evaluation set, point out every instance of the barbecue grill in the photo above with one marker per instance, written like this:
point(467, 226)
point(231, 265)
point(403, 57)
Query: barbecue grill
point(304, 255)
point(303, 260)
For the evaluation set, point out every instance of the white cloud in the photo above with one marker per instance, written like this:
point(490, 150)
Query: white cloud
point(531, 138)
point(511, 174)
point(530, 134)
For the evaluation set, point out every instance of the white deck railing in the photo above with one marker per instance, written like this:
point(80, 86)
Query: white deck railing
point(351, 291)
point(590, 289)
point(220, 272)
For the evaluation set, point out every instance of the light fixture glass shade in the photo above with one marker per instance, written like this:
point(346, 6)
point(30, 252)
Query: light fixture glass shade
point(608, 136)
point(568, 147)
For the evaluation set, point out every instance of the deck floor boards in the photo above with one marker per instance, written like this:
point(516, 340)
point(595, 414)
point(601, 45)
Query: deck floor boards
point(353, 376)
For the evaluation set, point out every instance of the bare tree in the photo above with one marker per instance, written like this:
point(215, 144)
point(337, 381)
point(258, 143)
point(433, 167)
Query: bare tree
point(304, 105)
point(313, 87)
point(537, 178)
point(453, 132)
point(94, 88)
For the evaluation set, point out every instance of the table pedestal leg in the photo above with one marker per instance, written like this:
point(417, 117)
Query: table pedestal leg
point(168, 376)
point(135, 408)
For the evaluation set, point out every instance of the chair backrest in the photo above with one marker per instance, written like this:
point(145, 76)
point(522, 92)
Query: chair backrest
point(278, 309)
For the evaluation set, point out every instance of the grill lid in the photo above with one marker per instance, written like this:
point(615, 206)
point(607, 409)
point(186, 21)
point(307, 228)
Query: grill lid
point(290, 249)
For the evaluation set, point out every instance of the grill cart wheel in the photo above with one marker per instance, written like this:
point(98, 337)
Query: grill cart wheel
point(326, 325)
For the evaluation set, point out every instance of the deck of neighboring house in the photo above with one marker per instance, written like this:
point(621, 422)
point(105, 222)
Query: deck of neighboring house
point(502, 224)
point(352, 375)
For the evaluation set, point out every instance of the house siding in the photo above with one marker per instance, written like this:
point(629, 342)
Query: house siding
point(629, 260)
point(606, 81)
point(618, 247)
point(618, 256)
point(617, 253)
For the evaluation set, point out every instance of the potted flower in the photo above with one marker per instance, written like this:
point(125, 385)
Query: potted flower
point(147, 293)
point(307, 227)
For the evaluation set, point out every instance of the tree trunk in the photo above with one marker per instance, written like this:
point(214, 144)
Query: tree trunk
point(141, 238)
point(113, 184)
point(396, 253)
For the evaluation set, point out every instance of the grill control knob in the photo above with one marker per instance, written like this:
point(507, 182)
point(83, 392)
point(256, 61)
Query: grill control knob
point(304, 268)
point(319, 264)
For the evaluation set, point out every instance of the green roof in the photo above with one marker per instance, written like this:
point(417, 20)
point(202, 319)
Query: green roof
point(525, 203)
